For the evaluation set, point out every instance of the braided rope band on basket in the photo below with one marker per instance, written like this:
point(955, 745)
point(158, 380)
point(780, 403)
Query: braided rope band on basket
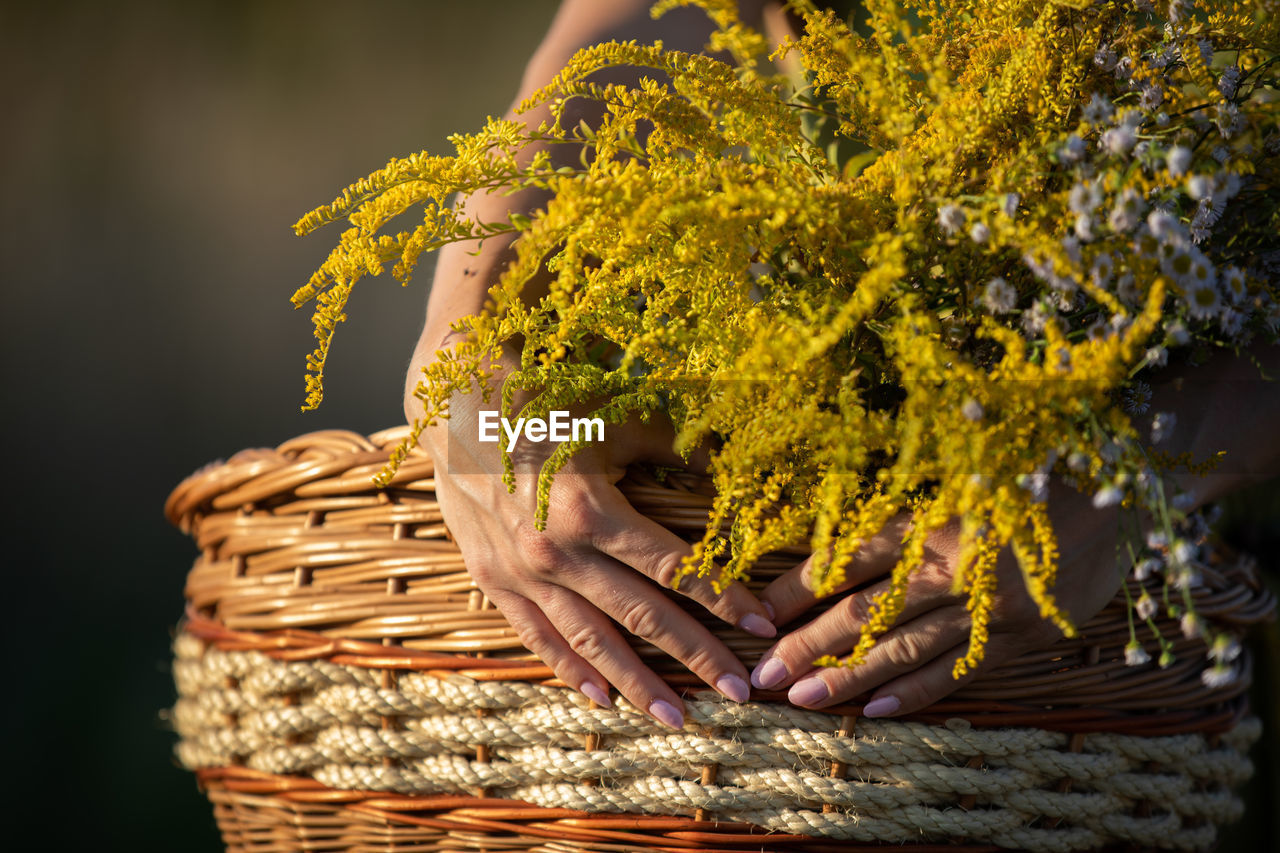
point(342, 681)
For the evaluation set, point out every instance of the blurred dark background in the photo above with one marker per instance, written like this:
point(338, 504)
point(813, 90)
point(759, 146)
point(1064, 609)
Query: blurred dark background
point(154, 157)
point(152, 160)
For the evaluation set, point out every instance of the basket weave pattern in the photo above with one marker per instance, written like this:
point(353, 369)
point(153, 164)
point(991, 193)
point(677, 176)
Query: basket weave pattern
point(342, 681)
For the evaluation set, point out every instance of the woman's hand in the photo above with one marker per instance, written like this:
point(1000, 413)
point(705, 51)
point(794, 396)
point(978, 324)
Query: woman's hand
point(910, 666)
point(598, 561)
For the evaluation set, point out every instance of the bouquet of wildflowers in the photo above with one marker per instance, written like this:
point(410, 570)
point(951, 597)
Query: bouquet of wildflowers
point(923, 271)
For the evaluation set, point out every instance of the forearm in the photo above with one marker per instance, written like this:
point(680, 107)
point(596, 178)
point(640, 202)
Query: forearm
point(1224, 406)
point(462, 278)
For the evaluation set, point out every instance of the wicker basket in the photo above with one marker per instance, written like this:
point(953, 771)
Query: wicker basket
point(344, 685)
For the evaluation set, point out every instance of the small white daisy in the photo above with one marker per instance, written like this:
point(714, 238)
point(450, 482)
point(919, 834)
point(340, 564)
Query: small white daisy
point(1152, 96)
point(1071, 246)
point(1177, 160)
point(1183, 551)
point(999, 296)
point(1204, 301)
point(951, 218)
point(1218, 676)
point(1229, 81)
point(1145, 607)
point(1099, 109)
point(1118, 140)
point(1083, 198)
point(1127, 289)
point(1102, 269)
point(1083, 228)
point(1229, 120)
point(1234, 284)
point(1073, 149)
point(972, 410)
point(1231, 322)
point(1136, 398)
point(1135, 654)
point(1162, 425)
point(1200, 186)
point(1202, 270)
point(979, 233)
point(1127, 212)
point(1034, 320)
point(1107, 496)
point(1225, 649)
point(1207, 213)
point(1177, 262)
point(1145, 568)
point(1164, 225)
point(1037, 483)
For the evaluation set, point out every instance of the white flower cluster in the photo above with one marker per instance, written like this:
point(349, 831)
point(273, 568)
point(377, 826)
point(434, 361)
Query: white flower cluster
point(1146, 186)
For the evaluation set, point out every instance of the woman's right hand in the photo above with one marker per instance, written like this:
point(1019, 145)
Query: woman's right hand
point(597, 562)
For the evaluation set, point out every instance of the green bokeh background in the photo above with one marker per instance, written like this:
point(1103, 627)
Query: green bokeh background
point(152, 159)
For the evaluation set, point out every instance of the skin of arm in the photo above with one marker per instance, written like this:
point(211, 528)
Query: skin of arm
point(598, 561)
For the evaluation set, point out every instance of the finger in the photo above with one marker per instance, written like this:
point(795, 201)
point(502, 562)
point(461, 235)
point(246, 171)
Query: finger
point(792, 593)
point(836, 631)
point(641, 543)
point(541, 637)
point(645, 612)
point(904, 650)
point(934, 681)
point(592, 637)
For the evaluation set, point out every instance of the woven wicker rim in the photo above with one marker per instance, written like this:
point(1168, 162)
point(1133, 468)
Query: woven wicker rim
point(302, 557)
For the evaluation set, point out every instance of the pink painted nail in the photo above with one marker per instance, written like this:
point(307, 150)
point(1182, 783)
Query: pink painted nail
point(768, 608)
point(769, 673)
point(808, 691)
point(733, 687)
point(881, 707)
point(665, 712)
point(595, 694)
point(754, 623)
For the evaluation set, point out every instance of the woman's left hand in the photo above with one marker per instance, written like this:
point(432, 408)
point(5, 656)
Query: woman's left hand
point(910, 666)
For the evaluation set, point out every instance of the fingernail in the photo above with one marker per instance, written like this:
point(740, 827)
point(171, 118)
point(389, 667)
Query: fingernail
point(808, 691)
point(768, 608)
point(595, 694)
point(665, 712)
point(733, 687)
point(754, 623)
point(768, 673)
point(881, 707)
